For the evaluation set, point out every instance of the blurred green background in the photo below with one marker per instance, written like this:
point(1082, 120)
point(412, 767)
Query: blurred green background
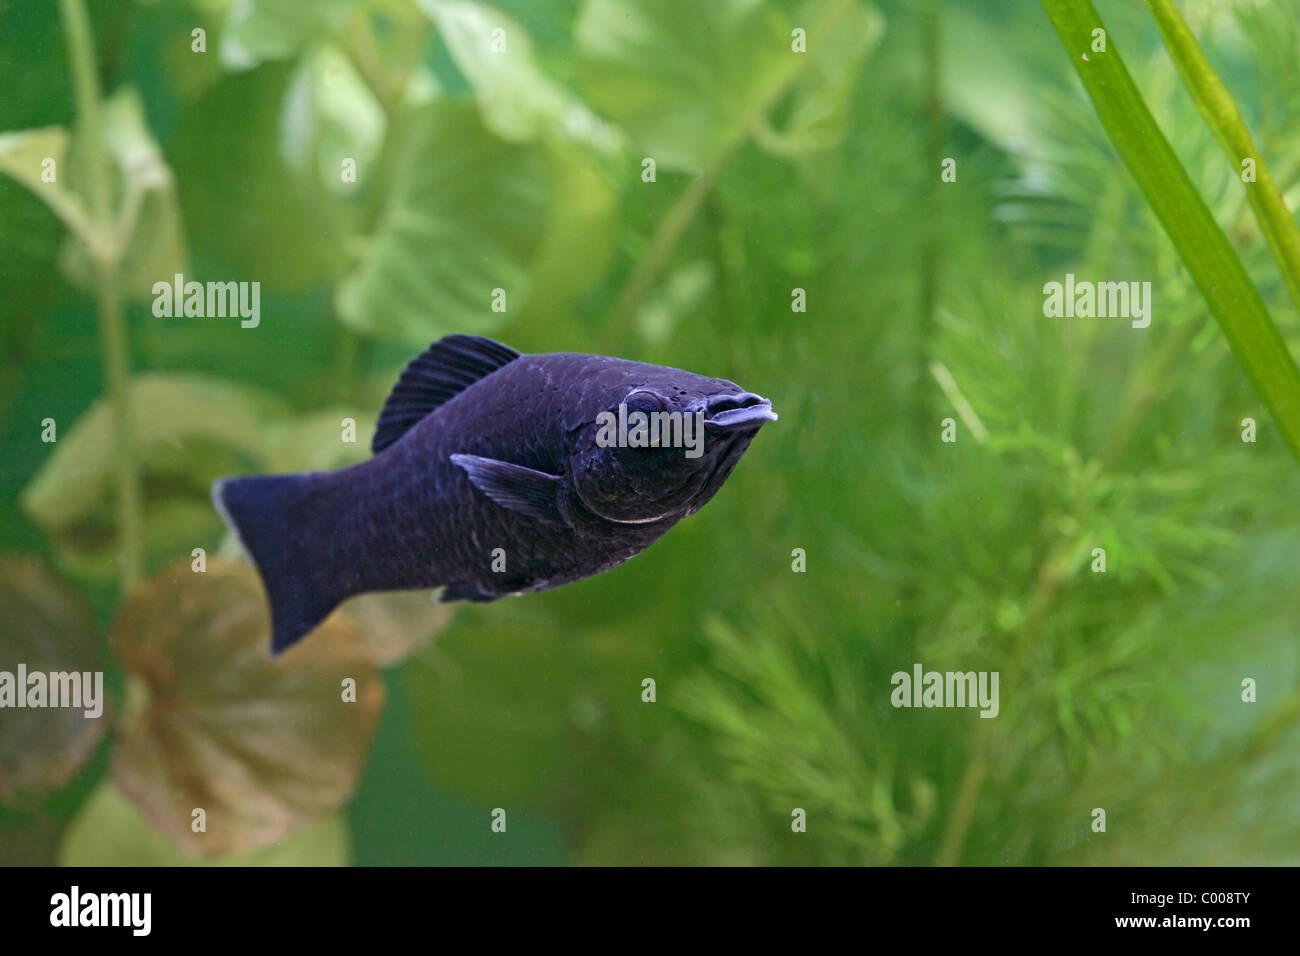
point(515, 160)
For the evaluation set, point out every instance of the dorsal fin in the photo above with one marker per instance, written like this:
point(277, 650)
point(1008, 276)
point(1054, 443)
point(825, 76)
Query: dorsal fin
point(446, 368)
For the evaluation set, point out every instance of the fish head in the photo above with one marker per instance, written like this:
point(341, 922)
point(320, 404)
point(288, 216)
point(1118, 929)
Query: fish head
point(663, 445)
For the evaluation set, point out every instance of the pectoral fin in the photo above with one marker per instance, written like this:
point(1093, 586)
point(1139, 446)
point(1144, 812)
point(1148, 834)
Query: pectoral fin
point(530, 492)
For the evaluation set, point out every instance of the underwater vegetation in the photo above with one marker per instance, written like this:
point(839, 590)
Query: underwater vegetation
point(1011, 582)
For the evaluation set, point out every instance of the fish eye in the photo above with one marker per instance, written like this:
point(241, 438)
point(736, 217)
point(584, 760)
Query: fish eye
point(643, 401)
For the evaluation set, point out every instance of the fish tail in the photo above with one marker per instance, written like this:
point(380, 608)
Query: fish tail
point(266, 515)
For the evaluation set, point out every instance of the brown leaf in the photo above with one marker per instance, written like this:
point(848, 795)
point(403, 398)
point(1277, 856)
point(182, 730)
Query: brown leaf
point(263, 746)
point(46, 626)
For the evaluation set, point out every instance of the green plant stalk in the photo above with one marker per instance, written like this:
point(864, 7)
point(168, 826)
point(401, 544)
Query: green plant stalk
point(664, 241)
point(108, 295)
point(358, 45)
point(1220, 112)
point(85, 87)
point(688, 204)
point(927, 294)
point(1200, 243)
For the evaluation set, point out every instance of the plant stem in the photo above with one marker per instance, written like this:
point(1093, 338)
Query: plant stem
point(85, 86)
point(963, 807)
point(1201, 245)
point(912, 591)
point(108, 295)
point(679, 217)
point(1220, 112)
point(358, 44)
point(930, 255)
point(113, 341)
point(688, 204)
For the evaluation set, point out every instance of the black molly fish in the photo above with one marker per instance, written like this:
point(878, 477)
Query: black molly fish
point(480, 448)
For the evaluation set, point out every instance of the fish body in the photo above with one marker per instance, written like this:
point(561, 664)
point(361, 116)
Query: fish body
point(493, 474)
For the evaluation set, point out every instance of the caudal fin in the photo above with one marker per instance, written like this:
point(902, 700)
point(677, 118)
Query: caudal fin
point(268, 516)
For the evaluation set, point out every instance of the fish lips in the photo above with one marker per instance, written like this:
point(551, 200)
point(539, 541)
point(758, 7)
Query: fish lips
point(735, 412)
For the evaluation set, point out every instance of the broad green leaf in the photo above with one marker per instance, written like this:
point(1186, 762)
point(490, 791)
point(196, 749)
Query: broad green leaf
point(23, 155)
point(36, 94)
point(259, 30)
point(689, 81)
point(245, 205)
point(330, 115)
point(818, 111)
point(153, 245)
point(464, 218)
point(23, 152)
point(29, 246)
point(46, 626)
point(30, 236)
point(519, 102)
point(315, 442)
point(155, 248)
point(110, 830)
point(184, 71)
point(581, 232)
point(170, 414)
point(685, 79)
point(265, 747)
point(992, 93)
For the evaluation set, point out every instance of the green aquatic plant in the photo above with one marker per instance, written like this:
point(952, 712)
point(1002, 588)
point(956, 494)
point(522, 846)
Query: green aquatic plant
point(1103, 531)
point(1201, 243)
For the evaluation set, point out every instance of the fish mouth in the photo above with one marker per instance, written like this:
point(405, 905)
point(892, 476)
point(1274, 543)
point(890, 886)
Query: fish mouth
point(745, 410)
